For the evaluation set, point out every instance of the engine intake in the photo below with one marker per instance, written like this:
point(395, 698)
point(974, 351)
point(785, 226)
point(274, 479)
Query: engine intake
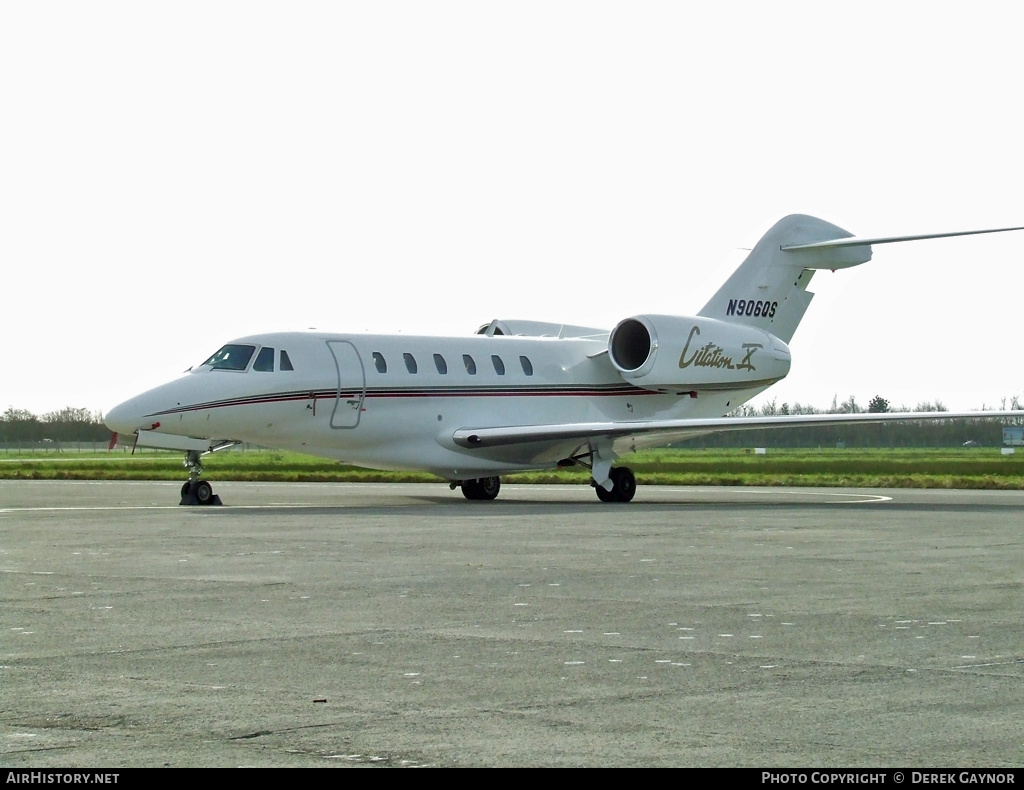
point(632, 343)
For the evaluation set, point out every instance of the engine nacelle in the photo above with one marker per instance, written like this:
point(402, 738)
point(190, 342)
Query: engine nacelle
point(667, 353)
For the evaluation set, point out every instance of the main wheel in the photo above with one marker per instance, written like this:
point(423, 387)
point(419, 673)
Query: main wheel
point(482, 488)
point(489, 487)
point(623, 486)
point(625, 483)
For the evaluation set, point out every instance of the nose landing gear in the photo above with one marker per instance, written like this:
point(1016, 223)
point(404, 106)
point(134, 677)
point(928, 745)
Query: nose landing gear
point(196, 491)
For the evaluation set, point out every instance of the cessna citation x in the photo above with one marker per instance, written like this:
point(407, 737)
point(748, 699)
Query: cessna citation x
point(517, 395)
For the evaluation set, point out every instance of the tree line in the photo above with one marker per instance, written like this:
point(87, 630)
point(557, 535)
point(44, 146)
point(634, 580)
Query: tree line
point(926, 433)
point(64, 425)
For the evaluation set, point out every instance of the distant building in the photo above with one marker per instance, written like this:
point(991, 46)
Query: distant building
point(1013, 435)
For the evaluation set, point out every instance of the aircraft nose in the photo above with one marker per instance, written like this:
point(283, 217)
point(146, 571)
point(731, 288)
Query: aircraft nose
point(124, 418)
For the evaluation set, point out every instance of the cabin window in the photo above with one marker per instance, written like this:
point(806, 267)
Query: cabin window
point(286, 363)
point(231, 357)
point(410, 362)
point(499, 366)
point(527, 365)
point(467, 360)
point(440, 364)
point(379, 362)
point(264, 360)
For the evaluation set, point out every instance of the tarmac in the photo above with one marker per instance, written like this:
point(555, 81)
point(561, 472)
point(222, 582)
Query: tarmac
point(401, 625)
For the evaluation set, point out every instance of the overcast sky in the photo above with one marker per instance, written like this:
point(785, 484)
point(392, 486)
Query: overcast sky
point(173, 175)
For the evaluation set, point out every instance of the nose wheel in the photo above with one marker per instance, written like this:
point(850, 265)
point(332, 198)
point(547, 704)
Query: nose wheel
point(196, 491)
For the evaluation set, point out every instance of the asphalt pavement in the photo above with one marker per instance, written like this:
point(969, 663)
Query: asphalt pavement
point(401, 625)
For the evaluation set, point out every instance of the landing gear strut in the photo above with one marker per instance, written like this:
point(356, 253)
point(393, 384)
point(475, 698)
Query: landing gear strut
point(196, 491)
point(483, 488)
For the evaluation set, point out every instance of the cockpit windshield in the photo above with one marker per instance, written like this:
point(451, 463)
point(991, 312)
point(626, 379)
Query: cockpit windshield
point(231, 357)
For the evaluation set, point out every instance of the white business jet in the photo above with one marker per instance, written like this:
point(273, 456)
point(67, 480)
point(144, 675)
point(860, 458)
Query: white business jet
point(517, 395)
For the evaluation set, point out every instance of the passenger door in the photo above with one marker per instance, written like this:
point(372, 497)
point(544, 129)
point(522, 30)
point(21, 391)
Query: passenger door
point(351, 391)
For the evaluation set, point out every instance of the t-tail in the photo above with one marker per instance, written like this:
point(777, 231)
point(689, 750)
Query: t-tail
point(769, 289)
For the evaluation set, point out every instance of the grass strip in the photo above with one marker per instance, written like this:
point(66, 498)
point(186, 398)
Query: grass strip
point(977, 468)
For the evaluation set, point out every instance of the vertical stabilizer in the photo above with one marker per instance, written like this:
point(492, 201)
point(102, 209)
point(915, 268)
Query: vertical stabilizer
point(769, 289)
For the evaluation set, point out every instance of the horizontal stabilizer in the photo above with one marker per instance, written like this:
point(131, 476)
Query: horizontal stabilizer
point(857, 241)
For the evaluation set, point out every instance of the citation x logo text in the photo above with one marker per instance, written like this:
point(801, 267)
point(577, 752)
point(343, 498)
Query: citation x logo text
point(710, 355)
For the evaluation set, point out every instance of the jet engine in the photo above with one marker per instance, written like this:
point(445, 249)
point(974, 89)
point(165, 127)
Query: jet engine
point(667, 353)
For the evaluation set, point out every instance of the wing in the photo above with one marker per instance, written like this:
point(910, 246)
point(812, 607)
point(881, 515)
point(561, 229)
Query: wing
point(652, 433)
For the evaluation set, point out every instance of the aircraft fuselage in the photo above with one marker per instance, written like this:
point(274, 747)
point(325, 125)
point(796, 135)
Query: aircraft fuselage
point(394, 401)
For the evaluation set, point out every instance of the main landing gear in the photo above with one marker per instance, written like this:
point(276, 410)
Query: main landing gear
point(622, 479)
point(196, 491)
point(612, 483)
point(623, 485)
point(484, 488)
